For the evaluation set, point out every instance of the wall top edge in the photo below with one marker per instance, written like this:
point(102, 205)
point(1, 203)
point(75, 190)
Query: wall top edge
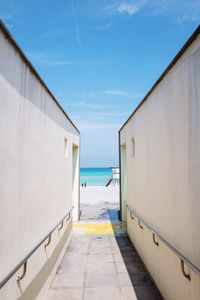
point(8, 35)
point(188, 43)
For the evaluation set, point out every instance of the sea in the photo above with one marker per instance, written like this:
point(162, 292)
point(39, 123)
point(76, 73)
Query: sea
point(95, 176)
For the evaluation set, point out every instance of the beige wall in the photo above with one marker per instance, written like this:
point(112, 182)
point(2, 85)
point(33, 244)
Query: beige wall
point(163, 177)
point(37, 172)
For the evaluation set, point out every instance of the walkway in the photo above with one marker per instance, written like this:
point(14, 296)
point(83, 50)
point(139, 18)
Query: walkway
point(101, 262)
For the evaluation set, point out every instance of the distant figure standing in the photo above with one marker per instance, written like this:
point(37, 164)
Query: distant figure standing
point(82, 185)
point(85, 184)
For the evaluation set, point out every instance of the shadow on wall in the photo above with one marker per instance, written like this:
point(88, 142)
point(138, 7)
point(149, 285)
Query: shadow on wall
point(144, 286)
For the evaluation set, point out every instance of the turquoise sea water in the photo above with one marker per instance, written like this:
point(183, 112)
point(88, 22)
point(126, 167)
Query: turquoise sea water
point(95, 176)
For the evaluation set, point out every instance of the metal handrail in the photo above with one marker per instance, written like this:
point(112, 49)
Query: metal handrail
point(181, 256)
point(24, 260)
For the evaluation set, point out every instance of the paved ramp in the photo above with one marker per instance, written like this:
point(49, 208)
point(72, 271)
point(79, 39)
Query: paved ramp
point(101, 263)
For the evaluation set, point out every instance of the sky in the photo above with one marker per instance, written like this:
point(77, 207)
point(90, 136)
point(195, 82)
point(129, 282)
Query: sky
point(100, 57)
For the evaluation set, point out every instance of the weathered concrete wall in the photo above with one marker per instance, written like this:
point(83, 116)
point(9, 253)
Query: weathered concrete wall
point(39, 170)
point(163, 174)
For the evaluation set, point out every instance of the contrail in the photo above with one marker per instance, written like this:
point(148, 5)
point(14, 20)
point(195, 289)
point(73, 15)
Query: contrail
point(76, 24)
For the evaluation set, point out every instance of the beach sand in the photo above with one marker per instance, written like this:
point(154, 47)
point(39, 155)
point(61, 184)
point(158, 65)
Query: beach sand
point(99, 203)
point(99, 194)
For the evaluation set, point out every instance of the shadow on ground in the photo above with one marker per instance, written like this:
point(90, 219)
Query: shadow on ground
point(99, 211)
point(142, 283)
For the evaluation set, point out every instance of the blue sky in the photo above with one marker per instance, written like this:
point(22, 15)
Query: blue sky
point(100, 58)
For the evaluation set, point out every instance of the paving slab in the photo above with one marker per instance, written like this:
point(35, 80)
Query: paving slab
point(65, 294)
point(128, 293)
point(102, 280)
point(102, 258)
point(147, 293)
point(68, 280)
point(102, 294)
point(101, 267)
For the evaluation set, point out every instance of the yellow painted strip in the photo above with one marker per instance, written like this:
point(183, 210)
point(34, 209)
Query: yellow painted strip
point(100, 228)
point(98, 225)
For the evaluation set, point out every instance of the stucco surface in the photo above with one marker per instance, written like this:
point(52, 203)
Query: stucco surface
point(164, 174)
point(38, 177)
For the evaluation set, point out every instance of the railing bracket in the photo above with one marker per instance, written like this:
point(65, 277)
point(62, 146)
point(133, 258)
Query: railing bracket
point(154, 239)
point(19, 278)
point(68, 217)
point(139, 223)
point(49, 241)
point(187, 275)
point(60, 226)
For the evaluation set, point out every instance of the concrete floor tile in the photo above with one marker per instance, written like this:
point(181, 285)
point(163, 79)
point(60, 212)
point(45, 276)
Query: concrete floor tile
point(71, 257)
point(128, 293)
point(141, 280)
point(68, 280)
point(101, 267)
point(102, 294)
point(80, 250)
point(100, 244)
point(79, 244)
point(73, 264)
point(127, 250)
point(124, 280)
point(146, 293)
point(134, 259)
point(124, 243)
point(101, 280)
point(112, 239)
point(135, 267)
point(83, 241)
point(116, 251)
point(72, 267)
point(100, 251)
point(64, 294)
point(121, 267)
point(107, 258)
point(118, 257)
point(125, 258)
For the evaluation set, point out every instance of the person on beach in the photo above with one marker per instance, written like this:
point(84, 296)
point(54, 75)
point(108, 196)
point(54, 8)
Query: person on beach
point(85, 184)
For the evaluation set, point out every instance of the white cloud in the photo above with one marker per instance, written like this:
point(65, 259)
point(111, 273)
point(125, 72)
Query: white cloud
point(115, 92)
point(87, 105)
point(95, 125)
point(124, 7)
point(129, 8)
point(48, 60)
point(122, 93)
point(185, 10)
point(52, 62)
point(182, 11)
point(100, 115)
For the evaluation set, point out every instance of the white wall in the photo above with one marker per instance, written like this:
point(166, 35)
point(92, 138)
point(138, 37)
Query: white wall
point(163, 177)
point(36, 175)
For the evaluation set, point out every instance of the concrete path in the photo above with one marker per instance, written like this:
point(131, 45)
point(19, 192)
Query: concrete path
point(101, 263)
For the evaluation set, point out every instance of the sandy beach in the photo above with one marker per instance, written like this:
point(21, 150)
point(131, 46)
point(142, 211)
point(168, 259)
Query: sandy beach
point(99, 194)
point(99, 203)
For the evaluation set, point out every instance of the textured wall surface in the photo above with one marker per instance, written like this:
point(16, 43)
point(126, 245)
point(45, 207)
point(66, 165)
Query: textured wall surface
point(164, 174)
point(37, 163)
